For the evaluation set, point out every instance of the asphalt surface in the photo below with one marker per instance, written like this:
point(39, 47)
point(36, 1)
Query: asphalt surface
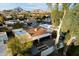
point(2, 49)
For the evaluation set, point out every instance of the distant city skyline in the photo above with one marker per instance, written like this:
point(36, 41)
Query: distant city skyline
point(25, 6)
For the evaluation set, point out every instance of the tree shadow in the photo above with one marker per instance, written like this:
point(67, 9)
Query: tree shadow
point(72, 51)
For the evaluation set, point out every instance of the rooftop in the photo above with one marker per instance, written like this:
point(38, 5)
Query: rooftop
point(36, 31)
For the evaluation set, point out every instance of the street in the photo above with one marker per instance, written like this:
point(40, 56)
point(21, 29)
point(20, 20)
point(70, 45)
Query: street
point(2, 49)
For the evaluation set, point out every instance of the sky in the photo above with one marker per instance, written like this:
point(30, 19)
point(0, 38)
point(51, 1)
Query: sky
point(25, 6)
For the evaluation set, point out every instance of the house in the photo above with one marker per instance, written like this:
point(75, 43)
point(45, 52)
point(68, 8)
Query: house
point(9, 22)
point(43, 44)
point(3, 37)
point(46, 26)
point(3, 41)
point(36, 31)
point(22, 35)
point(8, 16)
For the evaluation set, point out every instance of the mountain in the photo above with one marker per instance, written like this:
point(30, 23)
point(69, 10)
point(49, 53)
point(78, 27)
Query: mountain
point(18, 9)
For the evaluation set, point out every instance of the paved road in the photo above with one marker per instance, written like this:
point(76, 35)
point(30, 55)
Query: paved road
point(2, 49)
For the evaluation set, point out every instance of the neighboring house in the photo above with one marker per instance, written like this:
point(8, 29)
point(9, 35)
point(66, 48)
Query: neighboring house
point(3, 41)
point(22, 35)
point(3, 37)
point(46, 26)
point(9, 22)
point(8, 16)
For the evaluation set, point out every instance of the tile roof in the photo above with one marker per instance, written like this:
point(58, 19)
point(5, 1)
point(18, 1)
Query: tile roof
point(36, 31)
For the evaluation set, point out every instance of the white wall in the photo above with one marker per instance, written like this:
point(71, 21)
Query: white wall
point(47, 51)
point(3, 36)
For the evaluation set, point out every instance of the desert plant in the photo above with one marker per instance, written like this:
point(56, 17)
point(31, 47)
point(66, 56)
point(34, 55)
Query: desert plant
point(18, 48)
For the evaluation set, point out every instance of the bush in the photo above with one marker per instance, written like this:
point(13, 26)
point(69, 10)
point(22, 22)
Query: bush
point(18, 48)
point(17, 25)
point(3, 30)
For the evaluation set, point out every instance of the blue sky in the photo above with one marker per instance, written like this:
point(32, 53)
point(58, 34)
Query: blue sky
point(25, 6)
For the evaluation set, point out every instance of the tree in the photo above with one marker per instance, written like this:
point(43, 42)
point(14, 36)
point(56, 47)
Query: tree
point(14, 14)
point(15, 47)
point(65, 19)
point(17, 25)
point(57, 17)
point(4, 29)
point(1, 19)
point(71, 23)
